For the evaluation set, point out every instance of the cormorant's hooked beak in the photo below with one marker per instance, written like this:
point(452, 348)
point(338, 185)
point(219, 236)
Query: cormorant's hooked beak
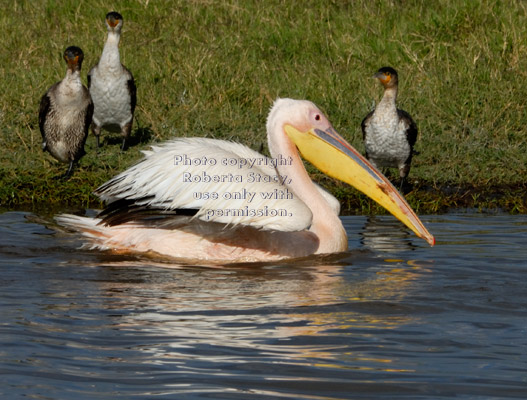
point(73, 61)
point(385, 79)
point(112, 21)
point(330, 153)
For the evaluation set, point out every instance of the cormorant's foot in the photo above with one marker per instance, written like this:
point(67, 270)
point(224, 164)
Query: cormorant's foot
point(67, 174)
point(63, 177)
point(405, 187)
point(124, 145)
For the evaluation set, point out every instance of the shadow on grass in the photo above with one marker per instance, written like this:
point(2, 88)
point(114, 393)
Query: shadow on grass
point(141, 135)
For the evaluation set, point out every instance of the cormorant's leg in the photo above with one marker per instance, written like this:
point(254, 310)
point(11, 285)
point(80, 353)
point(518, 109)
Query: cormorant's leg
point(69, 171)
point(401, 187)
point(126, 130)
point(96, 130)
point(404, 170)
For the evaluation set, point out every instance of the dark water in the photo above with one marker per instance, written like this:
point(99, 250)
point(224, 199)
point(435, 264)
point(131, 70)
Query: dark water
point(392, 319)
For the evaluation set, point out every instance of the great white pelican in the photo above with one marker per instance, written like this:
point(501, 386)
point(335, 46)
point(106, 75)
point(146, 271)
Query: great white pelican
point(214, 201)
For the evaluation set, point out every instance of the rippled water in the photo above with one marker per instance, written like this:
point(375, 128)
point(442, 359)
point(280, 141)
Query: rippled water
point(393, 318)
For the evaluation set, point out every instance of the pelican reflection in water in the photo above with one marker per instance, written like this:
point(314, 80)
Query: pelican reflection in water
point(385, 235)
point(229, 210)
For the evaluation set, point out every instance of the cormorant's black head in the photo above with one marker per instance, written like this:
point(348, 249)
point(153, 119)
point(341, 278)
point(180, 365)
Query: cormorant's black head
point(114, 21)
point(74, 56)
point(387, 76)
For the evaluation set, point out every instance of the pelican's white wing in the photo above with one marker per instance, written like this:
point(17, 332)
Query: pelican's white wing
point(224, 181)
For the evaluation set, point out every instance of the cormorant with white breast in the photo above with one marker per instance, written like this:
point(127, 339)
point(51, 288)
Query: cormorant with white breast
point(389, 133)
point(112, 86)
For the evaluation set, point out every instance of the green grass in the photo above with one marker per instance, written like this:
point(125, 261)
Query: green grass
point(213, 68)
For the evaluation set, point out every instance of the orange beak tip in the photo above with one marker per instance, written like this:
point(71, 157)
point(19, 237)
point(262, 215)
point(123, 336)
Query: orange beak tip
point(431, 240)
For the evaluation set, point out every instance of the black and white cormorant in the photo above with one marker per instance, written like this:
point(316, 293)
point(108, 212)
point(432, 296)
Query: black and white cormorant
point(389, 133)
point(112, 86)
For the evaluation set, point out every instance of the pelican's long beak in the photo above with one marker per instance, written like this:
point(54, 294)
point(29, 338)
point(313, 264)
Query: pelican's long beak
point(330, 153)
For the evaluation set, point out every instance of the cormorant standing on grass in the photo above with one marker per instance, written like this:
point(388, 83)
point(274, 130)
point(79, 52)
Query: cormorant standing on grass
point(112, 86)
point(65, 113)
point(389, 133)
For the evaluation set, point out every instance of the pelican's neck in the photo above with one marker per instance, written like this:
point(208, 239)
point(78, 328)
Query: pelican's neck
point(325, 224)
point(110, 53)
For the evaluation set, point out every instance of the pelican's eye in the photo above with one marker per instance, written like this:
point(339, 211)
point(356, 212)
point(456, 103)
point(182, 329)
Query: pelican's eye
point(317, 117)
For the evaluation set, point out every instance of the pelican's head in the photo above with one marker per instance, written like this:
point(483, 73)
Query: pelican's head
point(300, 123)
point(302, 114)
point(114, 21)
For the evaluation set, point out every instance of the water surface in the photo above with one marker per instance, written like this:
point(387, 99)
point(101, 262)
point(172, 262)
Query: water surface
point(392, 318)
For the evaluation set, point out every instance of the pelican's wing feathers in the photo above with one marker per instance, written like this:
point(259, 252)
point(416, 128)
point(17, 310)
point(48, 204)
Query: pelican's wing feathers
point(216, 180)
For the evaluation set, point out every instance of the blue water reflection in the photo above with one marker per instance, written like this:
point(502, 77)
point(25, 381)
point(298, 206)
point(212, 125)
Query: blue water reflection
point(392, 318)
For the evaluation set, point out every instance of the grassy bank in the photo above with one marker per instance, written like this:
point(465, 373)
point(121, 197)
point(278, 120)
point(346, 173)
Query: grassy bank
point(213, 68)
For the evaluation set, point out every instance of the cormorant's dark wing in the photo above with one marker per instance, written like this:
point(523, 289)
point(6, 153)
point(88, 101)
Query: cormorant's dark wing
point(364, 126)
point(45, 104)
point(411, 132)
point(364, 122)
point(88, 114)
point(132, 90)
